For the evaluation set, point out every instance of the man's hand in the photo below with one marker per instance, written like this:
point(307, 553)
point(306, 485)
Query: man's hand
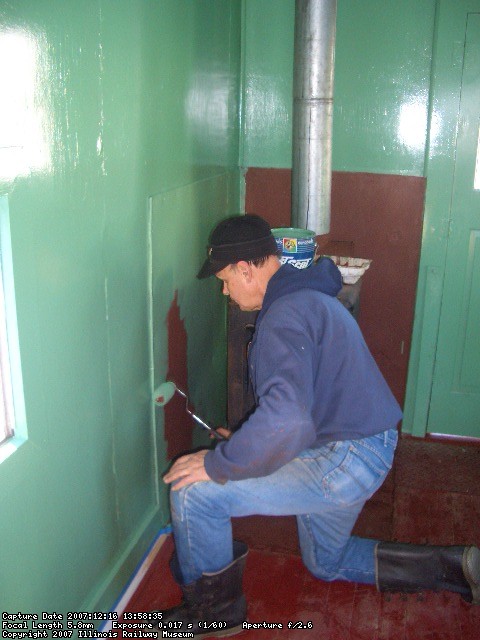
point(226, 433)
point(187, 469)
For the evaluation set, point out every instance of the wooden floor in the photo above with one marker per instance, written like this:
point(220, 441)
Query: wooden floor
point(431, 495)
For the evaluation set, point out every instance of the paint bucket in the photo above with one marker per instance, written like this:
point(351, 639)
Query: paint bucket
point(297, 246)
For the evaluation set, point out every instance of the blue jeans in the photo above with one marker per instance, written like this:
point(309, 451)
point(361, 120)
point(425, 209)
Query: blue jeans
point(325, 488)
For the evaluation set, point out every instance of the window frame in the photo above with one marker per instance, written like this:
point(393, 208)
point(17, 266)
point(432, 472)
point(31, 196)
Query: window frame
point(11, 383)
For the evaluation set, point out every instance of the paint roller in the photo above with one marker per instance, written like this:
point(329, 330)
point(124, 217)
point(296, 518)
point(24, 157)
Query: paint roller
point(165, 392)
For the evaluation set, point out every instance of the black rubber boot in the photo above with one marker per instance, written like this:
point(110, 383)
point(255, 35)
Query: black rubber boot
point(213, 605)
point(410, 568)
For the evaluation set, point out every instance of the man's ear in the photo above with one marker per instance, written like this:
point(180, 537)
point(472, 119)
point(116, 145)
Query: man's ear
point(245, 269)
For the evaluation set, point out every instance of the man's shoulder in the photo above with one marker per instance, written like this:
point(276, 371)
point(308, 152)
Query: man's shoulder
point(303, 307)
point(302, 298)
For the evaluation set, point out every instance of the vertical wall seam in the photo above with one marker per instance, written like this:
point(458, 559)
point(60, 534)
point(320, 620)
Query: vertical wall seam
point(101, 157)
point(241, 86)
point(151, 358)
point(426, 155)
point(110, 395)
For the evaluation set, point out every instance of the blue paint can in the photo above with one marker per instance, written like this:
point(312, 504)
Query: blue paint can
point(297, 246)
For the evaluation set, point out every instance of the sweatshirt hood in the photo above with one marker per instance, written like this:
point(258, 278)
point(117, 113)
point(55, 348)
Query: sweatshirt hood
point(322, 276)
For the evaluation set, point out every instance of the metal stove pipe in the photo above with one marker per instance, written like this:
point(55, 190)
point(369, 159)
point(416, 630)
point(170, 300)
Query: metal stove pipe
point(314, 53)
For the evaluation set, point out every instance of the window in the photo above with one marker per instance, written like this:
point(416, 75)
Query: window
point(7, 416)
point(12, 411)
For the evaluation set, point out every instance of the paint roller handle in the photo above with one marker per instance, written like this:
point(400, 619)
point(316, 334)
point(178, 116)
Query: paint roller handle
point(213, 431)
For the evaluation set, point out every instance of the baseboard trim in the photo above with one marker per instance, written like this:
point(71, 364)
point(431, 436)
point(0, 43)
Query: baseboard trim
point(137, 577)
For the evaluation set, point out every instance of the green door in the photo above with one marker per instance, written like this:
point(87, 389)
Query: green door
point(455, 399)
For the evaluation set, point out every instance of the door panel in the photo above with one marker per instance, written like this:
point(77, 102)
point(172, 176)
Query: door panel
point(455, 400)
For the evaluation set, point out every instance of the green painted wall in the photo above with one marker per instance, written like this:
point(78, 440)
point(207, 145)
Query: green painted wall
point(133, 116)
point(382, 80)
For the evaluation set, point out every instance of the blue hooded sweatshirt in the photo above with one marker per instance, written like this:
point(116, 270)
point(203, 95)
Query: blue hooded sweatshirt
point(313, 377)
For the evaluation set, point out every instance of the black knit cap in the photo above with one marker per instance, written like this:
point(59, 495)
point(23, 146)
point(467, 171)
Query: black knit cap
point(238, 238)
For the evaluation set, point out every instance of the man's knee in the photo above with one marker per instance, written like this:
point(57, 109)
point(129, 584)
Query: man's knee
point(323, 572)
point(194, 495)
point(323, 566)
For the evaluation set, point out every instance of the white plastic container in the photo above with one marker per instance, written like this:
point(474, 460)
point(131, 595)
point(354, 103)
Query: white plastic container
point(352, 269)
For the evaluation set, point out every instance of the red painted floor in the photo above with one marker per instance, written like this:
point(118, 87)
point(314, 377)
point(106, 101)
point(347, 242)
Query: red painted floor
point(432, 495)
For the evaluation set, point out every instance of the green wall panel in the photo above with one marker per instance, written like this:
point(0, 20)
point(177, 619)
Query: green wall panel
point(382, 79)
point(178, 250)
point(104, 104)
